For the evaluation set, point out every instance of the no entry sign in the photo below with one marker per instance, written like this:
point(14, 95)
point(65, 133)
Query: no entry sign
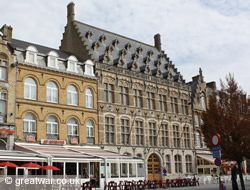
point(215, 139)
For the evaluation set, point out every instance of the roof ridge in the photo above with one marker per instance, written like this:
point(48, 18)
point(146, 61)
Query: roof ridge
point(38, 45)
point(115, 34)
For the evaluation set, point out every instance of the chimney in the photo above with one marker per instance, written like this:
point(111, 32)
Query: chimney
point(71, 12)
point(158, 41)
point(7, 32)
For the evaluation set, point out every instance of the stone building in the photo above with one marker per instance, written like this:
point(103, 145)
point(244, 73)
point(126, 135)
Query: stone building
point(56, 96)
point(144, 104)
point(204, 162)
point(7, 90)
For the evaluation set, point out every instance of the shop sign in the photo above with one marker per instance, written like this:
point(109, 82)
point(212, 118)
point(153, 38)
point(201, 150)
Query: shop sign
point(4, 131)
point(30, 138)
point(74, 141)
point(54, 142)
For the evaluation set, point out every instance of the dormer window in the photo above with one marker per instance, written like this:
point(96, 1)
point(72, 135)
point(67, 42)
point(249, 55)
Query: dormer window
point(72, 64)
point(89, 70)
point(52, 59)
point(31, 55)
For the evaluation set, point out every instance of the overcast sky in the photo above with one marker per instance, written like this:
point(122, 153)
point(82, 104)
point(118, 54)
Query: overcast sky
point(211, 34)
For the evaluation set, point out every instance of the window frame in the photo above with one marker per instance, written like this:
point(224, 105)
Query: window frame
point(125, 131)
point(189, 164)
point(52, 55)
point(29, 121)
point(176, 136)
point(124, 95)
point(89, 96)
point(138, 99)
point(151, 100)
point(31, 50)
point(108, 93)
point(71, 93)
point(30, 88)
point(72, 127)
point(178, 163)
point(186, 136)
point(53, 91)
point(111, 133)
point(152, 129)
point(165, 135)
point(90, 129)
point(51, 125)
point(163, 102)
point(139, 133)
point(3, 67)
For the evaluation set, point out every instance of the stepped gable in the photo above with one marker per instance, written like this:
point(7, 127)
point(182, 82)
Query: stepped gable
point(114, 49)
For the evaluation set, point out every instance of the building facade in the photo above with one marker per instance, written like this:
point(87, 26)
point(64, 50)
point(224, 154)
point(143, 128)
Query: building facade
point(55, 97)
point(144, 105)
point(7, 90)
point(204, 162)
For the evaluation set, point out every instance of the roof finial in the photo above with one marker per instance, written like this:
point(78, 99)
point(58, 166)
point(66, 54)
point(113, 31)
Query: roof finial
point(201, 76)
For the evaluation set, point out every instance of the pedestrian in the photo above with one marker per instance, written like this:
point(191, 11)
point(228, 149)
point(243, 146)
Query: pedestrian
point(234, 178)
point(223, 186)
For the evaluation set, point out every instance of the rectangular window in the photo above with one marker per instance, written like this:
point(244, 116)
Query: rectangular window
point(108, 93)
point(71, 66)
point(168, 164)
point(163, 102)
point(164, 134)
point(152, 134)
point(139, 133)
point(138, 98)
point(186, 136)
point(151, 100)
point(125, 130)
point(184, 106)
point(124, 169)
point(2, 107)
point(124, 95)
point(114, 170)
point(3, 69)
point(196, 121)
point(174, 105)
point(176, 136)
point(31, 56)
point(109, 130)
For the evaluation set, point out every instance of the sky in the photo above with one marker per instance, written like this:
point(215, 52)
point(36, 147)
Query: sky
point(213, 35)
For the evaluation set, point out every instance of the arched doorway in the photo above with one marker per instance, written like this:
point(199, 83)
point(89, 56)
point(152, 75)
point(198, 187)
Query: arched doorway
point(153, 166)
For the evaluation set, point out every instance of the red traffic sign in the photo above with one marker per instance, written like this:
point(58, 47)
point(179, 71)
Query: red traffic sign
point(217, 161)
point(215, 139)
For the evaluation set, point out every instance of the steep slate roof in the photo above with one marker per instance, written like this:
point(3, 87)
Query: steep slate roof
point(114, 49)
point(41, 49)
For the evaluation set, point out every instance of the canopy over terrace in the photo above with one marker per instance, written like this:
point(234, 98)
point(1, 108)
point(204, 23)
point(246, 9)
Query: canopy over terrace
point(110, 164)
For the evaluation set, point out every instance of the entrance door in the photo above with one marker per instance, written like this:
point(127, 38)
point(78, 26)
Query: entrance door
point(153, 166)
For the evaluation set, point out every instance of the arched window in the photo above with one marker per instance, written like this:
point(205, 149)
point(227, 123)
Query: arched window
point(52, 92)
point(30, 89)
point(52, 128)
point(89, 98)
point(72, 127)
point(178, 164)
point(29, 126)
point(168, 163)
point(72, 131)
point(188, 159)
point(72, 96)
point(90, 132)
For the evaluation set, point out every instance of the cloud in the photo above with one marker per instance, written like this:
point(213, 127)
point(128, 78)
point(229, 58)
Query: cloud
point(213, 35)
